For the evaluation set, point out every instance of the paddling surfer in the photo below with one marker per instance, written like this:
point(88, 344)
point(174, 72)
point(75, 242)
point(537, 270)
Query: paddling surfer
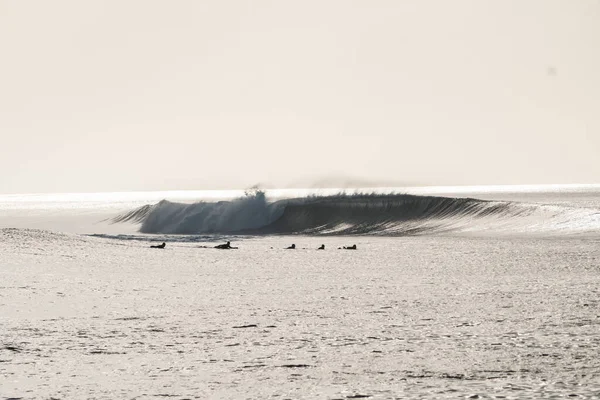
point(225, 246)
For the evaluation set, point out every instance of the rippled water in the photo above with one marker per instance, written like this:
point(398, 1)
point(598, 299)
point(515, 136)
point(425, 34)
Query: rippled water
point(413, 317)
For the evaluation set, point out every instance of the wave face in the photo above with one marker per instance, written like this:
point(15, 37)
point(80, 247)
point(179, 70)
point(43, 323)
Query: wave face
point(362, 214)
point(382, 214)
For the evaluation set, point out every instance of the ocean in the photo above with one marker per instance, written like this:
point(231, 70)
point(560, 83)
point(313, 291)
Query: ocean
point(452, 292)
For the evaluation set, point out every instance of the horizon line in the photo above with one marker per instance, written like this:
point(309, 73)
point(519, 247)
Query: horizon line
point(426, 188)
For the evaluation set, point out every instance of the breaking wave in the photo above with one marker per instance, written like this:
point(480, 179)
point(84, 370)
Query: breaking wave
point(361, 214)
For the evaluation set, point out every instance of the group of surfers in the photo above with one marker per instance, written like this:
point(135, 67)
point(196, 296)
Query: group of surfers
point(227, 246)
point(353, 247)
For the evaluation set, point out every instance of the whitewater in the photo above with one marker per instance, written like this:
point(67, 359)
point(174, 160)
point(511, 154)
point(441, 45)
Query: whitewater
point(464, 292)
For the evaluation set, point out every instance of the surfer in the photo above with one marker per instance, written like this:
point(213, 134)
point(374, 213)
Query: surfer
point(224, 246)
point(159, 246)
point(353, 247)
point(292, 247)
point(322, 247)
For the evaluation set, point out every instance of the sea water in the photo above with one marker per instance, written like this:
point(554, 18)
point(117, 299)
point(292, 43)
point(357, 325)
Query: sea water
point(89, 310)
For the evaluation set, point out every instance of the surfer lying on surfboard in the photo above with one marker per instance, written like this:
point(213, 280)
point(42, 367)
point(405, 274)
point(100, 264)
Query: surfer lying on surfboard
point(225, 246)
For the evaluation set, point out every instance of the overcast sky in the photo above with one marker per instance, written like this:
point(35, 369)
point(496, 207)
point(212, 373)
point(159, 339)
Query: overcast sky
point(148, 95)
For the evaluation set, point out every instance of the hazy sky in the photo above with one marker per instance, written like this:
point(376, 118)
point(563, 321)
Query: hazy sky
point(147, 95)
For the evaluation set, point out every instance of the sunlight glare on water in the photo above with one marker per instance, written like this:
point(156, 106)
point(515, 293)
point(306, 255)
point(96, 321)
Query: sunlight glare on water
point(124, 200)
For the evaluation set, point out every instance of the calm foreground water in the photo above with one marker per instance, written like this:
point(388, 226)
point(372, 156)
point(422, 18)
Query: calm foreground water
point(430, 316)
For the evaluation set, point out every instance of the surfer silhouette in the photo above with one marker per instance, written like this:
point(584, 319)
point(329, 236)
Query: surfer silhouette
point(159, 246)
point(353, 247)
point(225, 246)
point(292, 247)
point(322, 247)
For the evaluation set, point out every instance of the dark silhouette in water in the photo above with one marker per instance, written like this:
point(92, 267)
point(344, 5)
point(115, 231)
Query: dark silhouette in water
point(322, 247)
point(159, 246)
point(353, 247)
point(225, 246)
point(292, 247)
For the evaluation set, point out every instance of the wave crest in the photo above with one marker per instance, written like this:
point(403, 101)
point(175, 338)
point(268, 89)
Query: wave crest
point(360, 214)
